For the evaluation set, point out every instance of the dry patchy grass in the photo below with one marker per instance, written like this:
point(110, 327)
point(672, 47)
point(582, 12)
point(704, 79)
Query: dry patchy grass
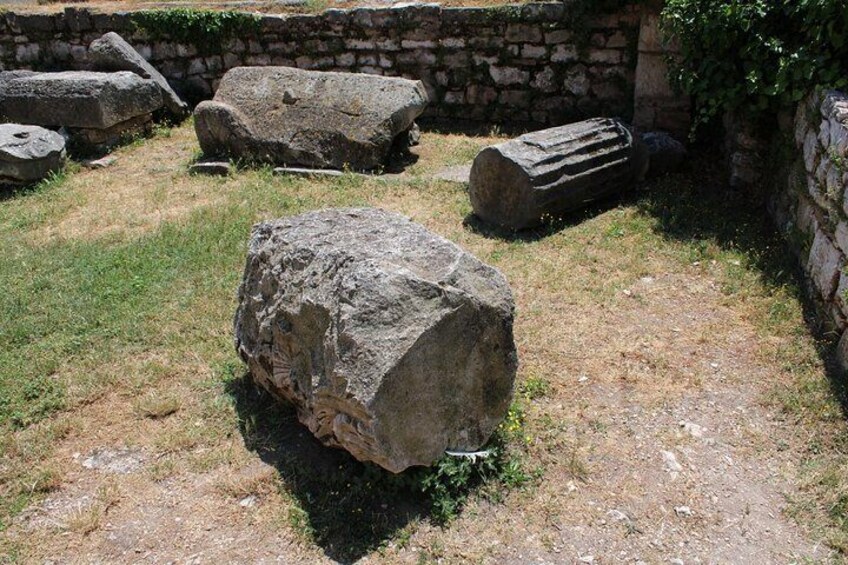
point(675, 305)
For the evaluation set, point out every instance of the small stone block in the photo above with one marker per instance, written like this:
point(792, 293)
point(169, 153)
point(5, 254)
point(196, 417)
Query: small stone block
point(304, 172)
point(101, 163)
point(212, 168)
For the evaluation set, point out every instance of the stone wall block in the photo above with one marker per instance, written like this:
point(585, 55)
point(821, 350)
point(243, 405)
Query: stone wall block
point(454, 97)
point(163, 50)
point(264, 60)
point(360, 44)
point(834, 185)
point(27, 53)
point(577, 81)
point(186, 50)
point(558, 36)
point(543, 12)
point(43, 23)
point(817, 193)
point(457, 59)
point(345, 59)
point(564, 53)
point(824, 132)
point(515, 98)
point(231, 60)
point(79, 54)
point(530, 51)
point(452, 43)
point(78, 20)
point(506, 76)
point(544, 80)
point(523, 33)
point(196, 67)
point(11, 20)
point(838, 139)
point(824, 265)
point(61, 50)
point(608, 56)
point(617, 40)
point(812, 154)
point(822, 171)
point(806, 217)
point(481, 95)
point(234, 46)
point(99, 21)
point(214, 63)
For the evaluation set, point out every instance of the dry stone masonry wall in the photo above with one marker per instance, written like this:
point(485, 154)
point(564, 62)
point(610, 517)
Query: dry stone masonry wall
point(518, 63)
point(812, 209)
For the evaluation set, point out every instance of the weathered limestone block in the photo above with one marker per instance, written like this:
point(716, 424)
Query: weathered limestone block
point(78, 99)
point(806, 218)
point(289, 116)
point(841, 236)
point(824, 265)
point(392, 342)
point(518, 183)
point(811, 152)
point(29, 153)
point(112, 53)
point(87, 140)
point(835, 105)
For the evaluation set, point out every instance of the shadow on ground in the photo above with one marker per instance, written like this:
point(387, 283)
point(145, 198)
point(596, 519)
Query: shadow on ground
point(475, 129)
point(696, 206)
point(347, 508)
point(478, 226)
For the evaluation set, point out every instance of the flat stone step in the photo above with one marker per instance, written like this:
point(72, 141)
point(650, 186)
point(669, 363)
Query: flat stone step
point(211, 168)
point(304, 172)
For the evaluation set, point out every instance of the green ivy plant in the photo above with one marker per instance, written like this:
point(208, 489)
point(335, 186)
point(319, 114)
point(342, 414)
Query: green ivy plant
point(756, 56)
point(208, 30)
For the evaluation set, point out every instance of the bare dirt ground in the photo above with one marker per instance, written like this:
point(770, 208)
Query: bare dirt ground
point(657, 436)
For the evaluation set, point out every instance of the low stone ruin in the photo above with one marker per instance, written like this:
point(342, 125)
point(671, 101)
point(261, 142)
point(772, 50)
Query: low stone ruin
point(111, 53)
point(287, 116)
point(391, 341)
point(95, 108)
point(29, 154)
point(544, 174)
point(665, 154)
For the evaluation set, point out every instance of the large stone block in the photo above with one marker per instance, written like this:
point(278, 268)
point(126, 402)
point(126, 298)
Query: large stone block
point(392, 342)
point(112, 53)
point(79, 99)
point(546, 173)
point(290, 116)
point(29, 153)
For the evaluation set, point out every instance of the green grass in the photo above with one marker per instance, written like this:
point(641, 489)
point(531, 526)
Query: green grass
point(84, 316)
point(74, 311)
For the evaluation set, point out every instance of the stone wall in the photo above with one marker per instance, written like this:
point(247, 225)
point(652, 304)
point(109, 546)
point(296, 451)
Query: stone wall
point(656, 105)
point(811, 207)
point(519, 63)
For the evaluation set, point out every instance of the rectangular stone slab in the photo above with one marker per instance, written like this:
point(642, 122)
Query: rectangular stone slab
point(79, 99)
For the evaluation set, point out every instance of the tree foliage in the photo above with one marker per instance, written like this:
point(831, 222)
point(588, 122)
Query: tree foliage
point(756, 56)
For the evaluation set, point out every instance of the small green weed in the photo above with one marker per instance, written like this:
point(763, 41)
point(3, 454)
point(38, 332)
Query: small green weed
point(535, 387)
